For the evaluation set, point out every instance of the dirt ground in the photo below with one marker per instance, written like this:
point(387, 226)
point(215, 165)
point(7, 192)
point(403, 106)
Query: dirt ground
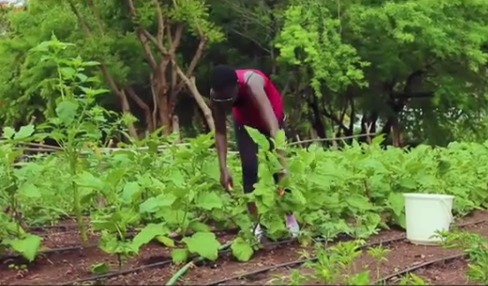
point(68, 266)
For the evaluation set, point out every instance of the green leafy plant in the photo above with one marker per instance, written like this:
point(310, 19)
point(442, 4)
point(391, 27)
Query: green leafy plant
point(412, 279)
point(333, 265)
point(79, 121)
point(13, 185)
point(476, 248)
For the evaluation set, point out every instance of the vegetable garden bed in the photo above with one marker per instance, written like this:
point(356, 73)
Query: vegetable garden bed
point(274, 265)
point(128, 204)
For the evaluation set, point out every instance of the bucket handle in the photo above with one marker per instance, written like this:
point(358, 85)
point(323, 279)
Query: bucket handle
point(451, 217)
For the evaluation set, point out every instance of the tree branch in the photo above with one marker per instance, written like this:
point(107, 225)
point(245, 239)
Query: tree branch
point(147, 111)
point(120, 93)
point(159, 46)
point(143, 38)
point(175, 42)
point(193, 64)
point(88, 32)
point(190, 83)
point(96, 13)
point(160, 36)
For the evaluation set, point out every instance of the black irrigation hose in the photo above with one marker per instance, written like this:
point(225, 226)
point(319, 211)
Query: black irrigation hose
point(420, 266)
point(50, 251)
point(464, 224)
point(74, 225)
point(314, 259)
point(119, 273)
point(273, 244)
point(155, 265)
point(44, 235)
point(294, 263)
point(169, 261)
point(163, 263)
point(49, 227)
point(81, 247)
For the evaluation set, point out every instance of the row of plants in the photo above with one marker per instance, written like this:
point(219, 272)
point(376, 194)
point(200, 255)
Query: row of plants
point(338, 264)
point(356, 190)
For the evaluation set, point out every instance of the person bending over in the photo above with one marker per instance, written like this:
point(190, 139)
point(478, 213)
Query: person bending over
point(255, 102)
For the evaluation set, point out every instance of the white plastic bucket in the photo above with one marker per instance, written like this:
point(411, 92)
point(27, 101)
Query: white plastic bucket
point(425, 214)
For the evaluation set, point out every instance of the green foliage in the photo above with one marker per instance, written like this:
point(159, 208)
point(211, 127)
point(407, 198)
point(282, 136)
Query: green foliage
point(15, 185)
point(178, 191)
point(357, 56)
point(351, 49)
point(312, 29)
point(103, 31)
point(430, 54)
point(335, 265)
point(476, 248)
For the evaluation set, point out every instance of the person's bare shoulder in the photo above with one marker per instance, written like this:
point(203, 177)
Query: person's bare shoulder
point(254, 80)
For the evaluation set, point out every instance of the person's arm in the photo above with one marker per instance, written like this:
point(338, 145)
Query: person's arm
point(256, 86)
point(256, 83)
point(220, 135)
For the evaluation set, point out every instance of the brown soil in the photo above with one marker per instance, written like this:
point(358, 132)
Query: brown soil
point(56, 268)
point(450, 273)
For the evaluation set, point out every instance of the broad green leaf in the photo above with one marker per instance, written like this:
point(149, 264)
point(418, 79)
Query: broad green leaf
point(204, 244)
point(241, 249)
point(359, 202)
point(30, 190)
point(8, 132)
point(150, 205)
point(397, 203)
point(259, 138)
point(28, 246)
point(165, 240)
point(86, 194)
point(100, 268)
point(408, 183)
point(298, 195)
point(68, 72)
point(153, 204)
point(41, 47)
point(209, 201)
point(378, 139)
point(93, 92)
point(66, 111)
point(24, 132)
point(179, 255)
point(86, 179)
point(131, 190)
point(148, 233)
point(199, 226)
point(400, 220)
point(81, 77)
point(177, 178)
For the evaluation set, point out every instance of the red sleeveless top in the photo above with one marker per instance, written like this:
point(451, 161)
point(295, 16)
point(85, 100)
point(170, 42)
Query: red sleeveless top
point(245, 112)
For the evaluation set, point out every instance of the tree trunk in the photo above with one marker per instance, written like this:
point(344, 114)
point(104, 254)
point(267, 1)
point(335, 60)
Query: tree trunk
point(124, 103)
point(106, 74)
point(147, 111)
point(163, 110)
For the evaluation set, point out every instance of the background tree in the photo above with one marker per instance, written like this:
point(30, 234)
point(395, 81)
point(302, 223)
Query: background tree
point(414, 69)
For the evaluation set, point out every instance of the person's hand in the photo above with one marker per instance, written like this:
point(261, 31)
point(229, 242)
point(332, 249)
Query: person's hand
point(226, 180)
point(280, 176)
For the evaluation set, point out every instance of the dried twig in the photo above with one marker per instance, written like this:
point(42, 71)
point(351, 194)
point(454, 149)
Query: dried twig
point(333, 139)
point(49, 148)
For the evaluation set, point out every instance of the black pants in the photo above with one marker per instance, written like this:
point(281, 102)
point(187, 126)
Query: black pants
point(248, 151)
